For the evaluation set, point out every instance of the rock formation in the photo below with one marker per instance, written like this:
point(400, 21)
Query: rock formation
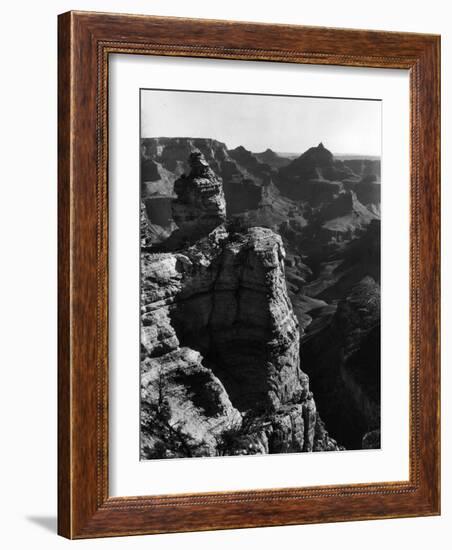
point(317, 164)
point(258, 255)
point(164, 161)
point(220, 342)
point(199, 205)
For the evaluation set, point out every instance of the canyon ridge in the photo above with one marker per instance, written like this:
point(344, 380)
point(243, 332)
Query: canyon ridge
point(260, 300)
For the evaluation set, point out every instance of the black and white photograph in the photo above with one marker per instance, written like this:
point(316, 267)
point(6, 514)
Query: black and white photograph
point(260, 274)
point(221, 285)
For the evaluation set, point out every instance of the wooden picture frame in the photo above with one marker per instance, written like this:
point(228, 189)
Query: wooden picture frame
point(86, 40)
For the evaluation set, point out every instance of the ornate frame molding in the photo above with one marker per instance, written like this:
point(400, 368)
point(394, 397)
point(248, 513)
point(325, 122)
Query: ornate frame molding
point(85, 42)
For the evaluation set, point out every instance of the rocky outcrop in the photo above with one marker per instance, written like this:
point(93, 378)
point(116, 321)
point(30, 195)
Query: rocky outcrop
point(235, 215)
point(220, 342)
point(199, 205)
point(226, 296)
point(218, 312)
point(185, 408)
point(200, 199)
point(164, 161)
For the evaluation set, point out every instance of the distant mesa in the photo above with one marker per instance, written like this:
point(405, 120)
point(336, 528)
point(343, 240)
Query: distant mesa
point(317, 163)
point(246, 158)
point(272, 159)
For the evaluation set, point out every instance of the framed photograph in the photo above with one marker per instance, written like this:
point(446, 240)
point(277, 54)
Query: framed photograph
point(248, 275)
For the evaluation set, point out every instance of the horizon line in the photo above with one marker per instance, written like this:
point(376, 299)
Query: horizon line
point(365, 155)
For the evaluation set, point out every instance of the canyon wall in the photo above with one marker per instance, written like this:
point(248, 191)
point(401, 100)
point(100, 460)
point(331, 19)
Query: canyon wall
point(228, 214)
point(220, 341)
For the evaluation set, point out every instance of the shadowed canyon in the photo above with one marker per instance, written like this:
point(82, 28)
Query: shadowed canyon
point(260, 300)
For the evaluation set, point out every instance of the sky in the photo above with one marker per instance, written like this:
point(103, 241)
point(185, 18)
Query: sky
point(289, 124)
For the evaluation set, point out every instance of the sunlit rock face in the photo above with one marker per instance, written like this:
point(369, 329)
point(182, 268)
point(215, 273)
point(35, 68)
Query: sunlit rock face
point(199, 205)
point(185, 409)
point(218, 313)
point(253, 254)
point(233, 307)
point(226, 296)
point(219, 338)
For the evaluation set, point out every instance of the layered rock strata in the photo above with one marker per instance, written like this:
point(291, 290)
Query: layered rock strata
point(326, 210)
point(220, 342)
point(199, 205)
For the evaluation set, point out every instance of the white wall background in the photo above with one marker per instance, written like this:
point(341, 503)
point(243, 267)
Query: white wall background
point(28, 301)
